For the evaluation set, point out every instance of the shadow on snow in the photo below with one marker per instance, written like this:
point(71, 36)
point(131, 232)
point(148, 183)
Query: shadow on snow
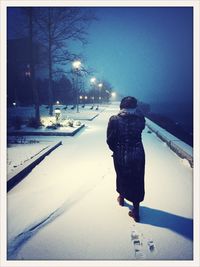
point(181, 225)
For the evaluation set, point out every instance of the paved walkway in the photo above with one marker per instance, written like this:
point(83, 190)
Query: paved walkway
point(66, 208)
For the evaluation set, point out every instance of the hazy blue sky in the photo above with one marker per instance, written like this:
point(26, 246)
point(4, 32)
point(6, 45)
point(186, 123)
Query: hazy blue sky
point(145, 51)
point(142, 51)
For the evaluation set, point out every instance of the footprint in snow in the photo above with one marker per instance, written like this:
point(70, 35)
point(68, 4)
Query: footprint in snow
point(137, 242)
point(141, 244)
point(151, 246)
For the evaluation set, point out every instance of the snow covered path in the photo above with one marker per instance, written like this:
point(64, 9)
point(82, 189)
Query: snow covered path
point(66, 208)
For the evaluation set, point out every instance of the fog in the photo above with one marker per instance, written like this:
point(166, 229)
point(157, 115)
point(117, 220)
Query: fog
point(146, 52)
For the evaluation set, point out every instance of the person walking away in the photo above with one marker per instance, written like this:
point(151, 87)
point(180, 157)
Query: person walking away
point(124, 139)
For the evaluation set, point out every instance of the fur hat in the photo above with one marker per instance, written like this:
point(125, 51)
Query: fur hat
point(128, 102)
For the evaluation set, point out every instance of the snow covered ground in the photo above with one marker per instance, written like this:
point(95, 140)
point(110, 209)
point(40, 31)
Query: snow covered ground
point(18, 154)
point(84, 113)
point(66, 208)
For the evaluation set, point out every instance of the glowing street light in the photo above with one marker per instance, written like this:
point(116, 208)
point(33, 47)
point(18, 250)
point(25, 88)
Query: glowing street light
point(76, 66)
point(57, 102)
point(113, 94)
point(80, 97)
point(93, 85)
point(14, 104)
point(93, 80)
point(100, 85)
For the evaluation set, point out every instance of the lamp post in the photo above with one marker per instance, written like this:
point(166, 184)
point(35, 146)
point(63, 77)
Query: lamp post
point(93, 83)
point(100, 85)
point(57, 114)
point(76, 66)
point(81, 99)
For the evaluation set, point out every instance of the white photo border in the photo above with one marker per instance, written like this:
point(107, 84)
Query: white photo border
point(3, 134)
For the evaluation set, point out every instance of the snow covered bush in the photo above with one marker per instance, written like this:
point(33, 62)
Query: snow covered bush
point(77, 123)
point(67, 122)
point(48, 121)
point(71, 123)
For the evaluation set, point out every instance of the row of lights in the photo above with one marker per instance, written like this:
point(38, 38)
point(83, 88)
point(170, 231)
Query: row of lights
point(80, 97)
point(76, 65)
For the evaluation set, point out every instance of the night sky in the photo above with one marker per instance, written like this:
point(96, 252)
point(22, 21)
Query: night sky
point(142, 51)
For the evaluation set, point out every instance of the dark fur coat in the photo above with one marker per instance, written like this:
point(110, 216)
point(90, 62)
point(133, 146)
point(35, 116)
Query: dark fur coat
point(124, 139)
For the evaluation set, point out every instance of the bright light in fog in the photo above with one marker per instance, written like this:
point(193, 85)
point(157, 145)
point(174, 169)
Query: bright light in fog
point(93, 80)
point(76, 65)
point(100, 85)
point(113, 94)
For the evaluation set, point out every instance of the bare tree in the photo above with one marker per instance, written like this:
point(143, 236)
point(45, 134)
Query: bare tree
point(32, 66)
point(57, 27)
point(24, 28)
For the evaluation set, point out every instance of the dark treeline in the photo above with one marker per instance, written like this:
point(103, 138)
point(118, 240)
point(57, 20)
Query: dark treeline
point(39, 57)
point(19, 91)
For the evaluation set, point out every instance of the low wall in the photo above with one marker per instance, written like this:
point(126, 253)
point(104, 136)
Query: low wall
point(15, 177)
point(46, 133)
point(182, 149)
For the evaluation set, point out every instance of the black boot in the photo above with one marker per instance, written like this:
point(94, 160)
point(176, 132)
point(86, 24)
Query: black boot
point(134, 213)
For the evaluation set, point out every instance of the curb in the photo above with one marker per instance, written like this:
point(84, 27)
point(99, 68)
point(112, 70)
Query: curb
point(15, 178)
point(182, 149)
point(52, 133)
point(91, 119)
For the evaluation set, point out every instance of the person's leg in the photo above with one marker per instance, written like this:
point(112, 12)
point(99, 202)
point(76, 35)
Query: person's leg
point(135, 211)
point(120, 198)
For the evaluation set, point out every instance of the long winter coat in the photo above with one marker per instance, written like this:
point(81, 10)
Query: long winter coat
point(124, 139)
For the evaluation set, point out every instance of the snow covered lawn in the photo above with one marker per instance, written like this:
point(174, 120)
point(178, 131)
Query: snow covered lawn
point(60, 131)
point(69, 120)
point(84, 113)
point(18, 154)
point(21, 151)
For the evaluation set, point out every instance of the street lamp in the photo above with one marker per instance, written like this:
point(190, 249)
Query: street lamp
point(57, 102)
point(14, 104)
point(93, 80)
point(57, 114)
point(76, 66)
point(93, 83)
point(113, 94)
point(100, 85)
